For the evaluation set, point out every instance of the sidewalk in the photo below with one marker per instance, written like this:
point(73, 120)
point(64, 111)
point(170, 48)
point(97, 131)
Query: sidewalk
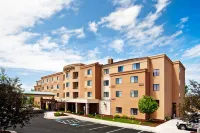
point(169, 127)
point(50, 115)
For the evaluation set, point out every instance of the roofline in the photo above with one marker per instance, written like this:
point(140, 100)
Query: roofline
point(75, 64)
point(58, 73)
point(122, 61)
point(91, 65)
point(179, 62)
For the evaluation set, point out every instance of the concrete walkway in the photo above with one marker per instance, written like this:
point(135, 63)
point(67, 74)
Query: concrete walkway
point(169, 127)
point(50, 115)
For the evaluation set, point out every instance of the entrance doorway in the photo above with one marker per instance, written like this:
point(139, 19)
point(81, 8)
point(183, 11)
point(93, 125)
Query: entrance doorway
point(173, 109)
point(71, 107)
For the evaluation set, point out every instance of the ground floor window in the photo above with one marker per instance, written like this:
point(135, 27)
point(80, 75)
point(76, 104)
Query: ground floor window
point(57, 94)
point(118, 109)
point(134, 111)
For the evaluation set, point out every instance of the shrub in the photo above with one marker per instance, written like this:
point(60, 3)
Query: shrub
point(132, 117)
point(90, 115)
point(57, 114)
point(116, 116)
point(124, 116)
point(167, 118)
point(98, 115)
point(81, 113)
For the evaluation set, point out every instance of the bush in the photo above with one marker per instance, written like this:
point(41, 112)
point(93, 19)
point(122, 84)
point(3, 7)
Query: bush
point(116, 116)
point(81, 113)
point(167, 118)
point(57, 114)
point(90, 115)
point(124, 116)
point(132, 117)
point(98, 115)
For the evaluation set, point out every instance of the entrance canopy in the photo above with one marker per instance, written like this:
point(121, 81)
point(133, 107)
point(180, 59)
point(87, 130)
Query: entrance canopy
point(38, 94)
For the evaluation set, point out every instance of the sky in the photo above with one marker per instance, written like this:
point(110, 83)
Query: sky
point(39, 37)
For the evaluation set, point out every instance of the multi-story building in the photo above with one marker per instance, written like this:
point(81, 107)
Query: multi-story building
point(116, 87)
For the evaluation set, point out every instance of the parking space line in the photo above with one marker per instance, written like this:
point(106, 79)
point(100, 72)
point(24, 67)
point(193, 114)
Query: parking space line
point(86, 125)
point(115, 130)
point(140, 131)
point(98, 127)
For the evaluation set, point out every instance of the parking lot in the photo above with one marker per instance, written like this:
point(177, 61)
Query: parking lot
point(96, 127)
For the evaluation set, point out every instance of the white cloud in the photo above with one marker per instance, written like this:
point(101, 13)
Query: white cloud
point(192, 52)
point(16, 15)
point(123, 2)
point(47, 43)
point(192, 72)
point(93, 26)
point(181, 25)
point(66, 34)
point(117, 45)
point(122, 17)
point(93, 54)
point(161, 4)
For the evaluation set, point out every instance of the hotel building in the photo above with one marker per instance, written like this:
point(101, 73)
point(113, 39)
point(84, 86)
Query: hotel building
point(116, 87)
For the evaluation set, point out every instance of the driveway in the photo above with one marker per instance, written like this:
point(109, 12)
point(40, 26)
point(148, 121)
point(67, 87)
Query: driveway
point(170, 127)
point(70, 125)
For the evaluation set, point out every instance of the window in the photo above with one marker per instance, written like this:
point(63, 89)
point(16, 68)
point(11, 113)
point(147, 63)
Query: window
point(63, 95)
point(57, 78)
point(134, 111)
point(118, 93)
point(89, 83)
point(57, 94)
point(136, 66)
point(52, 87)
point(106, 82)
point(106, 94)
point(42, 88)
point(134, 79)
point(120, 68)
point(67, 84)
point(156, 72)
point(106, 71)
point(67, 94)
point(134, 93)
point(58, 86)
point(89, 72)
point(156, 87)
point(118, 80)
point(52, 79)
point(47, 87)
point(89, 94)
point(119, 110)
point(47, 80)
point(67, 75)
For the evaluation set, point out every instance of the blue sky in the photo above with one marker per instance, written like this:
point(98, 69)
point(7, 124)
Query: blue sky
point(40, 37)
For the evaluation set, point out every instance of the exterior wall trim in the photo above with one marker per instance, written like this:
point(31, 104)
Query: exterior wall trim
point(128, 72)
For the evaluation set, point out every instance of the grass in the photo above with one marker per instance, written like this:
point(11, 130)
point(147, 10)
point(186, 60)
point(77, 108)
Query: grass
point(125, 121)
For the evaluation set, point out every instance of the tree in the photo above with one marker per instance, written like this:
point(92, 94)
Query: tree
point(186, 89)
point(147, 105)
point(191, 103)
point(13, 108)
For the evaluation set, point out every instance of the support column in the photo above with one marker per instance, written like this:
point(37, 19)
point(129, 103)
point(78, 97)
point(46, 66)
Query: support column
point(66, 107)
point(76, 107)
point(87, 108)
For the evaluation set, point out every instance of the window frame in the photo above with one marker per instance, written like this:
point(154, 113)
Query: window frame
point(120, 67)
point(118, 110)
point(58, 86)
point(106, 71)
point(156, 72)
point(134, 95)
point(156, 87)
point(134, 81)
point(89, 93)
point(132, 111)
point(119, 95)
point(119, 81)
point(89, 81)
point(89, 72)
point(67, 84)
point(67, 94)
point(105, 94)
point(105, 82)
point(135, 67)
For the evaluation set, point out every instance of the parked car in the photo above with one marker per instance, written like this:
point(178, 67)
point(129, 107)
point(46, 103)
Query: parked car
point(193, 124)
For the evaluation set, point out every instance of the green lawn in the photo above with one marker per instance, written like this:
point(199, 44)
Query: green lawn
point(125, 121)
